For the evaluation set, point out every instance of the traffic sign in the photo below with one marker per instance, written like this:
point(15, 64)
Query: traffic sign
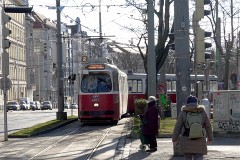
point(8, 83)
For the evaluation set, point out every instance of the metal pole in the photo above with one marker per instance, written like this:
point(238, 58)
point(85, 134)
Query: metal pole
point(218, 55)
point(100, 28)
point(151, 56)
point(17, 68)
point(207, 79)
point(100, 20)
point(5, 105)
point(195, 59)
point(69, 69)
point(181, 33)
point(61, 115)
point(5, 59)
point(72, 73)
point(39, 83)
point(5, 109)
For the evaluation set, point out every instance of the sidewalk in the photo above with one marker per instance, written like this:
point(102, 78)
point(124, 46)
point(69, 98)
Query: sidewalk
point(222, 148)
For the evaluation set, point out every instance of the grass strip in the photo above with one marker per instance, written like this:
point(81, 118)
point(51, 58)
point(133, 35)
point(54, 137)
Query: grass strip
point(167, 125)
point(41, 127)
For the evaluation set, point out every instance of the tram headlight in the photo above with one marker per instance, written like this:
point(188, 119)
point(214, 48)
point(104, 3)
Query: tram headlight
point(95, 105)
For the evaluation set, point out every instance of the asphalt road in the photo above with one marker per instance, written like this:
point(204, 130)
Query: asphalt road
point(17, 120)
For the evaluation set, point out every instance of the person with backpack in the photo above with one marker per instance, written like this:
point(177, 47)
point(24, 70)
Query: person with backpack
point(150, 123)
point(191, 130)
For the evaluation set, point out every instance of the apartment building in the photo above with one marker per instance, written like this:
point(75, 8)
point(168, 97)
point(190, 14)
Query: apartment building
point(33, 56)
point(44, 53)
point(17, 53)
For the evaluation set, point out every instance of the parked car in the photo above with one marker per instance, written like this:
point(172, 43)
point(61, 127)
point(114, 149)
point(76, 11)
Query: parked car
point(32, 106)
point(24, 105)
point(38, 104)
point(66, 105)
point(74, 106)
point(13, 106)
point(46, 105)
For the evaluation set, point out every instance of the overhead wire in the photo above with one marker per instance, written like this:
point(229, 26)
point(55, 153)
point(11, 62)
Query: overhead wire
point(81, 6)
point(95, 29)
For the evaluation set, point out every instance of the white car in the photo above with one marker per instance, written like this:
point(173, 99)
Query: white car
point(66, 105)
point(74, 106)
point(24, 105)
point(38, 104)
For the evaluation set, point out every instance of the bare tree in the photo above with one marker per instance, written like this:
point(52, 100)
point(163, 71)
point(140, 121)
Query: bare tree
point(127, 58)
point(162, 28)
point(226, 48)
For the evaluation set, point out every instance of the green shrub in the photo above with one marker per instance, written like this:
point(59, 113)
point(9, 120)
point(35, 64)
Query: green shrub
point(140, 106)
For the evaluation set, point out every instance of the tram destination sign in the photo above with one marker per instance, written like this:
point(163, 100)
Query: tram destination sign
point(95, 66)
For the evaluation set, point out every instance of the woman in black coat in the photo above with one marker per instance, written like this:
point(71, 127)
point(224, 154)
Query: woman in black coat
point(150, 127)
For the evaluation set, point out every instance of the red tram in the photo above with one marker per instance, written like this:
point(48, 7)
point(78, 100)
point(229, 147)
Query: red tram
point(137, 86)
point(103, 91)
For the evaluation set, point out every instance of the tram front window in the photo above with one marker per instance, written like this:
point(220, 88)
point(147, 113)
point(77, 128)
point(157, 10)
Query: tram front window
point(92, 83)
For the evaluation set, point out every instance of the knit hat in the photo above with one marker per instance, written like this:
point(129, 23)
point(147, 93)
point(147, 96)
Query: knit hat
point(192, 100)
point(151, 99)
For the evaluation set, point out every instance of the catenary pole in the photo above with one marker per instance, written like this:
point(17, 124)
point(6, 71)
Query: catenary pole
point(100, 29)
point(182, 52)
point(218, 55)
point(61, 115)
point(151, 56)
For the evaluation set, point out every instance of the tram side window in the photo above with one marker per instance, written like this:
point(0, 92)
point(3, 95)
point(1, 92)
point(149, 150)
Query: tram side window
point(134, 89)
point(96, 83)
point(192, 87)
point(135, 86)
point(140, 86)
point(171, 86)
point(130, 84)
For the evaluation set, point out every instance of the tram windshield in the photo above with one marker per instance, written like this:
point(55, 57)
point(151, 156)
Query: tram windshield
point(92, 83)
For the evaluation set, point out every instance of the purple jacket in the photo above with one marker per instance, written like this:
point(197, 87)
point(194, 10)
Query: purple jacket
point(151, 120)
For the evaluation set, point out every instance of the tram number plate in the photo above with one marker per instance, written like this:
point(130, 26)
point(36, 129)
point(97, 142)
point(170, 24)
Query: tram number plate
point(95, 98)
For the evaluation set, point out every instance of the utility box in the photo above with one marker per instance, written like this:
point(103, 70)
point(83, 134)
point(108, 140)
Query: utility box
point(226, 111)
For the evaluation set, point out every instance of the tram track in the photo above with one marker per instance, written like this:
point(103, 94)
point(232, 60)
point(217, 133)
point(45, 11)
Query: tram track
point(97, 145)
point(95, 133)
point(55, 143)
point(73, 141)
point(47, 141)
